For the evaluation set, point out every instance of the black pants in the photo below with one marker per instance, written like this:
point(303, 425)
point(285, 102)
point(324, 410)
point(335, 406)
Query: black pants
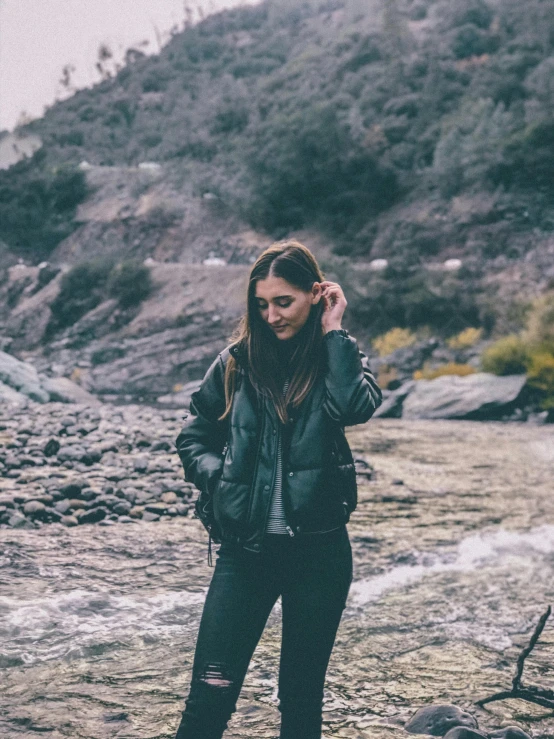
point(312, 574)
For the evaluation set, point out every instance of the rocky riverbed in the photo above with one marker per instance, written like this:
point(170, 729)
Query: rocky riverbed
point(453, 543)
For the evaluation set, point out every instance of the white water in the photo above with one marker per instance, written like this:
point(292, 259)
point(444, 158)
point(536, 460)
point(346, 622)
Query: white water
point(478, 550)
point(80, 623)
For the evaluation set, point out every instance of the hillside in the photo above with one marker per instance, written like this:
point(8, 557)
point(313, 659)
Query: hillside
point(412, 130)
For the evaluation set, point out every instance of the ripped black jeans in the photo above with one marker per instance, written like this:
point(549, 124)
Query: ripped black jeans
point(312, 574)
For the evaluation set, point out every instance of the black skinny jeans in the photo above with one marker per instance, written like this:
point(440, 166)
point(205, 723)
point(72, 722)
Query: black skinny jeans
point(312, 574)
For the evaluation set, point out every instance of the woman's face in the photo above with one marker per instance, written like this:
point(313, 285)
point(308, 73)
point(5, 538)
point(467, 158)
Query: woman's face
point(283, 307)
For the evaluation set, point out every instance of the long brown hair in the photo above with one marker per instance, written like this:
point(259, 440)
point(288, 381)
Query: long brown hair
point(296, 264)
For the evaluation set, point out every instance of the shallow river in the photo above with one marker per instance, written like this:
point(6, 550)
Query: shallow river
point(454, 563)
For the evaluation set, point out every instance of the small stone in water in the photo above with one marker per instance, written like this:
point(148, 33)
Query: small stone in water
point(52, 447)
point(148, 516)
point(510, 732)
point(69, 521)
point(461, 732)
point(438, 719)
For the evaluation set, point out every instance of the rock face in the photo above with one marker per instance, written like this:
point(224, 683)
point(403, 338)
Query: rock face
point(480, 397)
point(437, 720)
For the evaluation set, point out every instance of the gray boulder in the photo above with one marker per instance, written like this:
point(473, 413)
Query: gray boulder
point(64, 390)
point(23, 377)
point(480, 396)
point(9, 395)
point(438, 719)
point(391, 407)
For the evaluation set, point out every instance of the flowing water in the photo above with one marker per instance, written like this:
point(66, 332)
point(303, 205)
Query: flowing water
point(454, 564)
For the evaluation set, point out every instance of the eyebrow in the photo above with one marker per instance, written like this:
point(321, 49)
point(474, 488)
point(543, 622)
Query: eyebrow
point(278, 297)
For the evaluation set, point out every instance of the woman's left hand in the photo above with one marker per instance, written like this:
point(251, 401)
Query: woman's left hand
point(334, 304)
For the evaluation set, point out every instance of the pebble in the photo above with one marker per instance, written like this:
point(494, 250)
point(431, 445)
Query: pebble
point(438, 719)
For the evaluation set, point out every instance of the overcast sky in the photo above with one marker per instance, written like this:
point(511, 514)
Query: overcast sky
point(39, 37)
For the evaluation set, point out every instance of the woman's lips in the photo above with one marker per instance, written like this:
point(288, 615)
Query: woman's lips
point(279, 328)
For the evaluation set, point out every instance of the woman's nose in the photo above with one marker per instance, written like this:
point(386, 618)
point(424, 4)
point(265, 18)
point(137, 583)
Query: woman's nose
point(272, 314)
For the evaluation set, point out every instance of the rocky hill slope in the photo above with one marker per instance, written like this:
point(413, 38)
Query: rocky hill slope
point(418, 133)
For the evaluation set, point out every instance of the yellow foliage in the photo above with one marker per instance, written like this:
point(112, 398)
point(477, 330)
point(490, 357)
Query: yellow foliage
point(446, 369)
point(176, 388)
point(396, 338)
point(466, 338)
point(77, 375)
point(507, 356)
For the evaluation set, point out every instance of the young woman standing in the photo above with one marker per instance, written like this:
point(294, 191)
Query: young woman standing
point(264, 443)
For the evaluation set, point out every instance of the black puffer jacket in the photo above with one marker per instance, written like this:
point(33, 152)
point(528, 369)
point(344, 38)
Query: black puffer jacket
point(233, 462)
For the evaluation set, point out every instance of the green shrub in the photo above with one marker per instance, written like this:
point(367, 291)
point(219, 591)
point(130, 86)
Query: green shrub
point(87, 284)
point(541, 377)
point(81, 290)
point(37, 204)
point(130, 282)
point(507, 356)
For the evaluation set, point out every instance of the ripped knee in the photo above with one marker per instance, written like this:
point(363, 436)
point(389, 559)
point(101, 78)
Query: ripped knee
point(216, 676)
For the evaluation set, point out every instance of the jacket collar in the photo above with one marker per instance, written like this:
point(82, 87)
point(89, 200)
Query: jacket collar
point(240, 353)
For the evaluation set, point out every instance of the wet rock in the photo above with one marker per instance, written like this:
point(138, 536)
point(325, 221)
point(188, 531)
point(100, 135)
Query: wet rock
point(149, 516)
point(481, 396)
point(126, 519)
point(52, 447)
point(34, 508)
point(140, 464)
point(136, 512)
point(72, 489)
point(461, 732)
point(122, 508)
point(510, 732)
point(438, 719)
point(70, 453)
point(69, 521)
point(162, 446)
point(77, 504)
point(159, 508)
point(62, 506)
point(18, 521)
point(92, 516)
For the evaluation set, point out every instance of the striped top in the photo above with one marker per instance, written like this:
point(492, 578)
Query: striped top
point(277, 523)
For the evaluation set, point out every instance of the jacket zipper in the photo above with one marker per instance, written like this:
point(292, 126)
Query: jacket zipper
point(255, 475)
point(266, 517)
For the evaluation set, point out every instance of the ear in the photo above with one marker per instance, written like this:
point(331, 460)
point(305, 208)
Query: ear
point(316, 293)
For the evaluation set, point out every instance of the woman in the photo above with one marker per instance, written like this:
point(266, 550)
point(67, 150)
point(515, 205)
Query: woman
point(264, 443)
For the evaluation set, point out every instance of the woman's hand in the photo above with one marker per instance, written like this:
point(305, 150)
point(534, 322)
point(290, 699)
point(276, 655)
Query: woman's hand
point(334, 304)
